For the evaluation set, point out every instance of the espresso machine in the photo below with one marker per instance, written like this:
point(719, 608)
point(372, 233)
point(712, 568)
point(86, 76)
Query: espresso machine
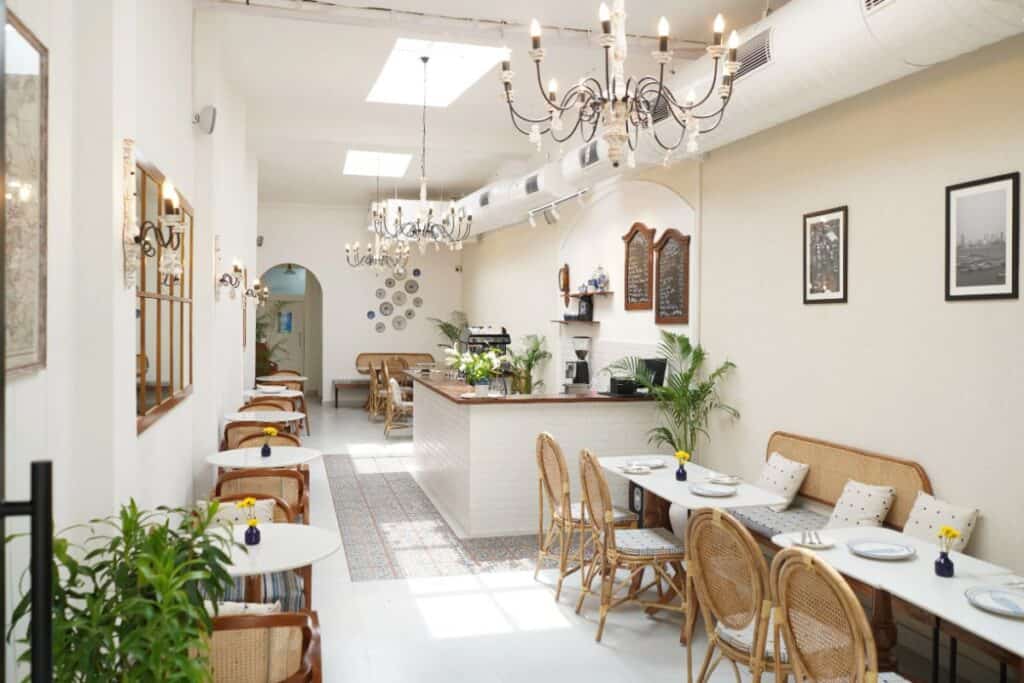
point(577, 370)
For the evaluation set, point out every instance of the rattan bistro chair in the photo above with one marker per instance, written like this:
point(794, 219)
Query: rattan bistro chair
point(236, 432)
point(282, 482)
point(398, 413)
point(730, 578)
point(822, 623)
point(281, 403)
point(298, 403)
point(282, 439)
point(567, 518)
point(378, 392)
point(633, 550)
point(266, 648)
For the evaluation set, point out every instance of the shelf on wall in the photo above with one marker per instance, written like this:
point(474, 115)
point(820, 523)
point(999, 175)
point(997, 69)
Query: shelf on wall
point(578, 322)
point(577, 295)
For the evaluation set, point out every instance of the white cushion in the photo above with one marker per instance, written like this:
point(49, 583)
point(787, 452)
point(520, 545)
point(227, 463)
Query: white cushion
point(861, 505)
point(228, 609)
point(782, 476)
point(619, 515)
point(743, 639)
point(647, 542)
point(228, 513)
point(891, 677)
point(930, 513)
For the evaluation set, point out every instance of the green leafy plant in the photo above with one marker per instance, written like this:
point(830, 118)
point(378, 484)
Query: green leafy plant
point(524, 363)
point(687, 398)
point(452, 329)
point(268, 354)
point(130, 600)
point(476, 367)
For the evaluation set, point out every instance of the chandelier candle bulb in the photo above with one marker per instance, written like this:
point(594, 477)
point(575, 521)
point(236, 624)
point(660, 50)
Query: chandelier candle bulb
point(553, 90)
point(734, 43)
point(606, 19)
point(719, 29)
point(535, 34)
point(663, 35)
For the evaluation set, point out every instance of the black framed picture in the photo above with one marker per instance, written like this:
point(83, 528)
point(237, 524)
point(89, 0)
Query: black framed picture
point(825, 259)
point(983, 238)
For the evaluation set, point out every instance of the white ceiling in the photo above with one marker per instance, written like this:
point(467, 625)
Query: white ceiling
point(306, 73)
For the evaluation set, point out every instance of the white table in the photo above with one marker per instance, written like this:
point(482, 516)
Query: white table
point(662, 483)
point(265, 416)
point(287, 393)
point(281, 378)
point(915, 582)
point(282, 547)
point(250, 458)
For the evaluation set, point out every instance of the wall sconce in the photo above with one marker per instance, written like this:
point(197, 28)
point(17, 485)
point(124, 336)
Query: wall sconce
point(258, 291)
point(232, 279)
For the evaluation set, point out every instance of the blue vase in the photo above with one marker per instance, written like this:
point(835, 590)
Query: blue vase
point(944, 566)
point(681, 473)
point(252, 535)
point(265, 451)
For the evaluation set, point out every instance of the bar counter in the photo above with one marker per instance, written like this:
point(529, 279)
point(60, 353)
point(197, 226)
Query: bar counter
point(475, 458)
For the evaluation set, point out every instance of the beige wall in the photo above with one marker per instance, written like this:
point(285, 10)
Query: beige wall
point(897, 369)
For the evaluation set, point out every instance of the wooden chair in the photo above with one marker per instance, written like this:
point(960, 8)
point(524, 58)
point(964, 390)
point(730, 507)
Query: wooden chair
point(266, 648)
point(822, 623)
point(283, 482)
point(279, 403)
point(282, 439)
point(378, 392)
point(298, 403)
point(398, 411)
point(567, 518)
point(236, 432)
point(730, 578)
point(288, 372)
point(634, 550)
point(283, 512)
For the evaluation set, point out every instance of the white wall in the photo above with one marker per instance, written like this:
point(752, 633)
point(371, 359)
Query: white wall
point(314, 237)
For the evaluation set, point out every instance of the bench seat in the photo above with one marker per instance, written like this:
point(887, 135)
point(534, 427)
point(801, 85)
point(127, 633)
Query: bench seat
point(765, 522)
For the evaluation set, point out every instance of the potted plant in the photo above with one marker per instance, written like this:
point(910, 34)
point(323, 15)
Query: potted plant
point(687, 398)
point(453, 329)
point(524, 363)
point(268, 354)
point(477, 368)
point(133, 600)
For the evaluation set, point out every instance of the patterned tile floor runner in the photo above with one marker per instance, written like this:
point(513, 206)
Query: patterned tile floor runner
point(391, 530)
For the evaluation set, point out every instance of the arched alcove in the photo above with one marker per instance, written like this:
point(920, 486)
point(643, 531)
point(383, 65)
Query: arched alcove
point(289, 325)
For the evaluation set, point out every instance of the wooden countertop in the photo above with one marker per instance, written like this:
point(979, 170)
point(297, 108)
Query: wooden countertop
point(453, 391)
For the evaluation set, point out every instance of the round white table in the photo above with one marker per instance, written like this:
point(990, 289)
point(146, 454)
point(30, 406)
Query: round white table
point(282, 547)
point(281, 378)
point(267, 416)
point(287, 393)
point(250, 458)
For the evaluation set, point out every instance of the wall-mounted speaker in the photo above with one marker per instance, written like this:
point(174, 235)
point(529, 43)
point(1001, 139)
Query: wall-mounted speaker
point(206, 119)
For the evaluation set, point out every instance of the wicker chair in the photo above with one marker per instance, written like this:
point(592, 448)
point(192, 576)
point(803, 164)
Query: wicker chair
point(567, 518)
point(398, 411)
point(282, 439)
point(298, 403)
point(730, 578)
point(279, 403)
point(378, 393)
point(266, 648)
point(822, 623)
point(236, 432)
point(283, 512)
point(282, 482)
point(634, 550)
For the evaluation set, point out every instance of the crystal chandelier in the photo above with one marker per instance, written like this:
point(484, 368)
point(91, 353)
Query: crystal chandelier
point(450, 227)
point(624, 106)
point(381, 255)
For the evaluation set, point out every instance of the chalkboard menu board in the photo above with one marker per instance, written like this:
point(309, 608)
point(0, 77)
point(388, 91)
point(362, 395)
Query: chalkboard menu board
point(672, 293)
point(639, 267)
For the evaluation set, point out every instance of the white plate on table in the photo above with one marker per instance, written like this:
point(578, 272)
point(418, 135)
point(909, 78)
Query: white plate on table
point(881, 550)
point(997, 600)
point(823, 543)
point(709, 490)
point(270, 388)
point(725, 479)
point(636, 468)
point(649, 463)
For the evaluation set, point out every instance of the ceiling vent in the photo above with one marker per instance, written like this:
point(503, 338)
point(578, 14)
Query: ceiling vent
point(589, 154)
point(756, 53)
point(874, 5)
point(485, 199)
point(533, 184)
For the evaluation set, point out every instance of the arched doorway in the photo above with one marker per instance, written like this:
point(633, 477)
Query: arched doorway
point(289, 325)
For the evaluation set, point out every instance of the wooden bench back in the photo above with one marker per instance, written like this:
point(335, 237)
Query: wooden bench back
point(363, 360)
point(832, 465)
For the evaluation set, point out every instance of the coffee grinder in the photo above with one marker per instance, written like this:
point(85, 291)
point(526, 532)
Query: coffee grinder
point(577, 370)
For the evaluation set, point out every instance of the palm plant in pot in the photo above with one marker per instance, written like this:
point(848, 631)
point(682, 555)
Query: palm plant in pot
point(688, 396)
point(452, 329)
point(524, 363)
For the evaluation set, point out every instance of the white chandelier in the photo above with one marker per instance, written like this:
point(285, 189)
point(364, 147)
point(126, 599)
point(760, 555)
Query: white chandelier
point(624, 106)
point(380, 255)
point(449, 227)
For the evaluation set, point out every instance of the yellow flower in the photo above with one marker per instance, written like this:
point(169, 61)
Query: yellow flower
point(270, 431)
point(253, 521)
point(240, 504)
point(948, 533)
point(682, 456)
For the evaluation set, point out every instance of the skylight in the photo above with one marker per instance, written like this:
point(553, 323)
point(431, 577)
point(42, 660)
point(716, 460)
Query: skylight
point(453, 68)
point(383, 164)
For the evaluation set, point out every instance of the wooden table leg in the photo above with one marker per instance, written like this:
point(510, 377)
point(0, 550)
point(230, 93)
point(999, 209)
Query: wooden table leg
point(254, 588)
point(884, 629)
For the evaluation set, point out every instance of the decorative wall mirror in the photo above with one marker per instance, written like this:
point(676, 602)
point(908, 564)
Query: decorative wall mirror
point(26, 82)
point(163, 312)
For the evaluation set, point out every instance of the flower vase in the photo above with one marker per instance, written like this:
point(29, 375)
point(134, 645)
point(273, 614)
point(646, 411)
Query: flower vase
point(944, 565)
point(252, 535)
point(265, 451)
point(483, 389)
point(681, 472)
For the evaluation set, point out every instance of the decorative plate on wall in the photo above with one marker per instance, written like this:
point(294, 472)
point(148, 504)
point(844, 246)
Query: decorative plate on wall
point(399, 298)
point(398, 323)
point(371, 315)
point(386, 308)
point(417, 302)
point(380, 327)
point(410, 314)
point(389, 282)
point(381, 293)
point(400, 274)
point(412, 286)
point(416, 272)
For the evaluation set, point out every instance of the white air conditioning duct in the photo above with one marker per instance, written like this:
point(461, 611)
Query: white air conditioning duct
point(806, 55)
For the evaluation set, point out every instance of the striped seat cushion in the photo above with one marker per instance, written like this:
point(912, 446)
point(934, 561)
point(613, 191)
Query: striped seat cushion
point(766, 522)
point(647, 542)
point(283, 587)
point(619, 516)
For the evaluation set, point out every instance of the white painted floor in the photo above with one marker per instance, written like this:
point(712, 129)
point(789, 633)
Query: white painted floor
point(478, 629)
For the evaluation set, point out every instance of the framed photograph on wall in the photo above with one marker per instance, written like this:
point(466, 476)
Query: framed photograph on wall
point(983, 238)
point(825, 256)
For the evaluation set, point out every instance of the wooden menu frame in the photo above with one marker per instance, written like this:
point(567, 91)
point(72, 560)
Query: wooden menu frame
point(648, 302)
point(661, 318)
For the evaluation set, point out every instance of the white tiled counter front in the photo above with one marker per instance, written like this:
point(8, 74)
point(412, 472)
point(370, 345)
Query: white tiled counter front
point(477, 461)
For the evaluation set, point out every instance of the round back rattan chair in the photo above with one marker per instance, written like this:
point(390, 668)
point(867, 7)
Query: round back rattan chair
point(553, 485)
point(730, 576)
point(282, 439)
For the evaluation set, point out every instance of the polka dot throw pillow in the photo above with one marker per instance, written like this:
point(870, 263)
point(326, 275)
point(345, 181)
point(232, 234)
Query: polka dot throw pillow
point(930, 513)
point(861, 505)
point(782, 476)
